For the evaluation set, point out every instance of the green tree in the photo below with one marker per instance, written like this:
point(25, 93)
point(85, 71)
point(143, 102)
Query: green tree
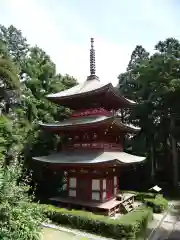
point(153, 81)
point(9, 80)
point(20, 135)
point(17, 45)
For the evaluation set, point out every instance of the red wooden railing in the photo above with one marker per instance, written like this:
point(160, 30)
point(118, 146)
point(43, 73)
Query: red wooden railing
point(99, 145)
point(91, 112)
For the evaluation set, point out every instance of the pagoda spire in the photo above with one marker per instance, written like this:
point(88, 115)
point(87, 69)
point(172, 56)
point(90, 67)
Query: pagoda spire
point(92, 63)
point(92, 58)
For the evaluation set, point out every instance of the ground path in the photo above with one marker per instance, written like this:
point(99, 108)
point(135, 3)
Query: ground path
point(169, 226)
point(65, 233)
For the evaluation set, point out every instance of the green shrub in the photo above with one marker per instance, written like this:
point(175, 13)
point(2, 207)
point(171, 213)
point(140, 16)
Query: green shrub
point(19, 219)
point(140, 196)
point(20, 222)
point(139, 217)
point(158, 204)
point(128, 226)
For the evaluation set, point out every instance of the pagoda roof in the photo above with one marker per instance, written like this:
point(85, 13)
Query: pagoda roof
point(90, 121)
point(90, 88)
point(90, 157)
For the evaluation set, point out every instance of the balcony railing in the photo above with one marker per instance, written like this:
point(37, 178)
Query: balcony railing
point(97, 145)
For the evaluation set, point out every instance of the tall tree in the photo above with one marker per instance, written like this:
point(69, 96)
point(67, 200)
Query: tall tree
point(9, 80)
point(170, 50)
point(154, 83)
point(16, 44)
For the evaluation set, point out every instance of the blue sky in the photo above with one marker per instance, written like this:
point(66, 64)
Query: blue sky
point(63, 29)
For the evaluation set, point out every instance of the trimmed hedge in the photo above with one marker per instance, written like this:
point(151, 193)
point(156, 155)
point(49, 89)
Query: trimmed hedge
point(159, 204)
point(129, 226)
point(140, 196)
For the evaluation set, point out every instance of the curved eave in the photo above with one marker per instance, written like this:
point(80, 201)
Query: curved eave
point(121, 98)
point(90, 158)
point(70, 126)
point(112, 93)
point(100, 121)
point(58, 97)
point(126, 127)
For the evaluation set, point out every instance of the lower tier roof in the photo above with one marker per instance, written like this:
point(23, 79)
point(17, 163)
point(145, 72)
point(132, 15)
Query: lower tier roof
point(89, 121)
point(91, 157)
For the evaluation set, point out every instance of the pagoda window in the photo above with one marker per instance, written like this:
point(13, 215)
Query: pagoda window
point(86, 137)
point(104, 184)
point(95, 136)
point(76, 138)
point(72, 193)
point(95, 196)
point(70, 139)
point(72, 182)
point(95, 184)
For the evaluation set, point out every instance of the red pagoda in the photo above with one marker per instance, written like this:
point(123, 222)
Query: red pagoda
point(93, 155)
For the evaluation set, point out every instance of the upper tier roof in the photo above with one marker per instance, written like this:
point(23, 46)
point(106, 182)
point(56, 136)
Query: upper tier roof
point(85, 87)
point(90, 121)
point(91, 93)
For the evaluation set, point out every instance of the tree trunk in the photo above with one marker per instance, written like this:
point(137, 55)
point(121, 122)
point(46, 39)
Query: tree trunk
point(174, 156)
point(149, 145)
point(153, 165)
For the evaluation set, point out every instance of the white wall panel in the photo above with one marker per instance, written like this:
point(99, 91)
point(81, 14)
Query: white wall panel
point(115, 181)
point(72, 193)
point(104, 184)
point(95, 184)
point(104, 195)
point(72, 182)
point(95, 196)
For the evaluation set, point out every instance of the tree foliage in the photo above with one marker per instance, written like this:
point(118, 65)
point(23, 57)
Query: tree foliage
point(27, 75)
point(153, 81)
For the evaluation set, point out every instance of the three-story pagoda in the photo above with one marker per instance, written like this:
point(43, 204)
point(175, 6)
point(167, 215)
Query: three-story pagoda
point(93, 155)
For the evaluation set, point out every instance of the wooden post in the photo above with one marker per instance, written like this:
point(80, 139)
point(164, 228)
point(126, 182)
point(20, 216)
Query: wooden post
point(101, 190)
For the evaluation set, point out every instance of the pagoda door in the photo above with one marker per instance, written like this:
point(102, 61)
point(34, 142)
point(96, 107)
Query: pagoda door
point(110, 187)
point(82, 189)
